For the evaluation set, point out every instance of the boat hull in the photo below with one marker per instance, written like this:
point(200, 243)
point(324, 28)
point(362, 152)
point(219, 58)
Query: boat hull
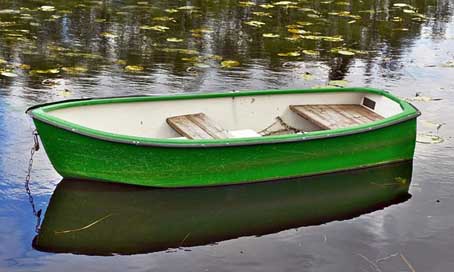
point(75, 155)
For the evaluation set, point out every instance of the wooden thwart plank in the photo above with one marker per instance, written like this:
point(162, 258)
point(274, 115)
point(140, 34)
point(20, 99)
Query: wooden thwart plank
point(197, 126)
point(336, 116)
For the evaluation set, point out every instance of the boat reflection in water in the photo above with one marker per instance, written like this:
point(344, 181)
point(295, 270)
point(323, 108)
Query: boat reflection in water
point(97, 218)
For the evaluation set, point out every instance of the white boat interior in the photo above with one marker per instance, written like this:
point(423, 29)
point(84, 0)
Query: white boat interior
point(233, 117)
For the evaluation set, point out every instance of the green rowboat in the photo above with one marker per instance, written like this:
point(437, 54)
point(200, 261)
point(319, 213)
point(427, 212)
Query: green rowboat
point(225, 138)
point(97, 218)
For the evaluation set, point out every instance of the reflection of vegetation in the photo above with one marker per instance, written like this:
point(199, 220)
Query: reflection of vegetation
point(37, 37)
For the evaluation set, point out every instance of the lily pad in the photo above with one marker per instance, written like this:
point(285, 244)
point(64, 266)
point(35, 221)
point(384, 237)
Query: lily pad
point(174, 40)
point(46, 71)
point(164, 19)
point(311, 52)
point(284, 3)
point(428, 138)
point(47, 8)
point(304, 23)
point(9, 11)
point(74, 70)
point(408, 11)
point(296, 31)
point(158, 28)
point(188, 8)
point(230, 63)
point(246, 3)
point(307, 76)
point(64, 93)
point(255, 23)
point(192, 59)
point(8, 74)
point(108, 35)
point(24, 66)
point(266, 6)
point(289, 54)
point(421, 98)
point(270, 35)
point(338, 83)
point(134, 68)
point(171, 10)
point(262, 14)
point(449, 64)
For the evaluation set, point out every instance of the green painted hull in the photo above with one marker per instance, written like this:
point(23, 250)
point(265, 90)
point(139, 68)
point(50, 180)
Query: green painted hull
point(80, 155)
point(102, 219)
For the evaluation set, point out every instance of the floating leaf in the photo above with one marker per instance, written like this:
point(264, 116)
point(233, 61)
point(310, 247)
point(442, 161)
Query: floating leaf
point(246, 3)
point(307, 76)
point(284, 3)
point(158, 28)
point(108, 35)
point(289, 54)
point(171, 10)
point(255, 23)
point(8, 74)
point(338, 83)
point(201, 30)
point(74, 70)
point(427, 138)
point(397, 19)
point(121, 62)
point(201, 65)
point(164, 19)
point(337, 38)
point(24, 66)
point(190, 8)
point(174, 40)
point(262, 14)
point(402, 5)
point(296, 31)
point(180, 50)
point(409, 11)
point(449, 64)
point(400, 29)
point(47, 71)
point(311, 52)
point(421, 98)
point(9, 11)
point(47, 8)
point(342, 3)
point(303, 23)
point(134, 68)
point(230, 63)
point(311, 37)
point(266, 6)
point(53, 82)
point(64, 93)
point(342, 51)
point(351, 22)
point(2, 61)
point(192, 59)
point(270, 35)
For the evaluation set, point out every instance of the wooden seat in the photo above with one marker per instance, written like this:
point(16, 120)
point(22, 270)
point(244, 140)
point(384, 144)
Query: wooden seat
point(197, 126)
point(336, 116)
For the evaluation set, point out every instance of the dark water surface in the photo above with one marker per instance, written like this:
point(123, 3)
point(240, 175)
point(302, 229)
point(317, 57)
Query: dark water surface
point(359, 221)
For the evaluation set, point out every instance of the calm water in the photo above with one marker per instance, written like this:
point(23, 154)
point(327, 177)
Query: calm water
point(52, 50)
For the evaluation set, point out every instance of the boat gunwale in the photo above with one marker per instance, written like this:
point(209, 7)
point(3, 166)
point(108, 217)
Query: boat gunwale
point(39, 112)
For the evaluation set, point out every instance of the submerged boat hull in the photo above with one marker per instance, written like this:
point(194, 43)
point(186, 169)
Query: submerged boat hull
point(75, 155)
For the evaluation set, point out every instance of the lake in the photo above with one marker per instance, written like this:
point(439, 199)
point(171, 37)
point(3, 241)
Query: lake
point(366, 220)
